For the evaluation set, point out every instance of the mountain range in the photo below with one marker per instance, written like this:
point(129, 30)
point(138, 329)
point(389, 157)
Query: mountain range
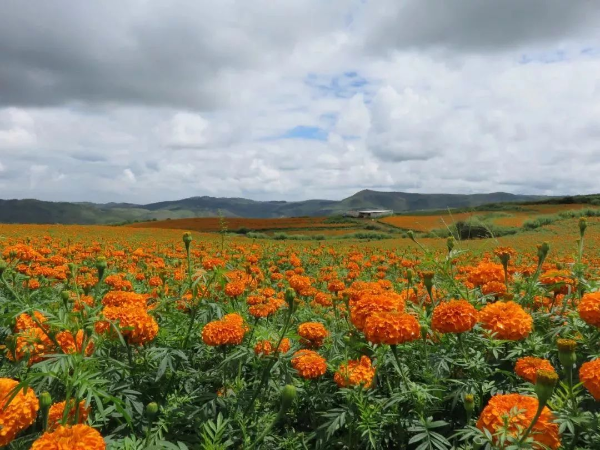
point(36, 211)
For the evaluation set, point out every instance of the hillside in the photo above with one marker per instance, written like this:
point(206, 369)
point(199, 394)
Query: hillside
point(36, 211)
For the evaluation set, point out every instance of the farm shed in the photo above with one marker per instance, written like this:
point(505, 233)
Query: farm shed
point(370, 213)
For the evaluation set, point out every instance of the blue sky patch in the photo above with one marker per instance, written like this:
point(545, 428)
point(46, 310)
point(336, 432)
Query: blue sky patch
point(304, 132)
point(345, 85)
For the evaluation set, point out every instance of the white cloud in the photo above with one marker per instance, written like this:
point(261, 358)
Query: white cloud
point(129, 175)
point(185, 130)
point(307, 99)
point(17, 129)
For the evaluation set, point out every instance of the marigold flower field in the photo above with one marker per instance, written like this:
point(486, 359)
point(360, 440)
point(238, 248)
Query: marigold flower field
point(150, 338)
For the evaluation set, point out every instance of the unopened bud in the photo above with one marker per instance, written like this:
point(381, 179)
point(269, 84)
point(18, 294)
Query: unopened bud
point(469, 401)
point(45, 400)
point(450, 243)
point(3, 266)
point(544, 386)
point(290, 298)
point(582, 225)
point(566, 352)
point(411, 234)
point(428, 279)
point(72, 270)
point(101, 266)
point(187, 240)
point(288, 395)
point(409, 275)
point(543, 250)
point(151, 410)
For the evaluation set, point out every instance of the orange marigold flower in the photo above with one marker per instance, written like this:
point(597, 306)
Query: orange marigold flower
point(120, 298)
point(33, 284)
point(25, 321)
point(323, 299)
point(367, 304)
point(589, 308)
point(355, 373)
point(336, 286)
point(558, 281)
point(505, 253)
point(209, 264)
point(70, 344)
point(486, 272)
point(21, 252)
point(31, 344)
point(493, 288)
point(235, 288)
point(57, 410)
point(66, 438)
point(118, 283)
point(300, 284)
point(17, 415)
point(507, 319)
point(265, 347)
point(589, 374)
point(229, 330)
point(155, 281)
point(82, 300)
point(309, 364)
point(518, 410)
point(528, 366)
point(312, 333)
point(391, 328)
point(455, 316)
point(136, 325)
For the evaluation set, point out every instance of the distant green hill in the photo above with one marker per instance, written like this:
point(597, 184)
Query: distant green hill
point(36, 211)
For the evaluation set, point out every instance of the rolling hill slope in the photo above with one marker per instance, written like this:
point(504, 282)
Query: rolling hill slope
point(36, 211)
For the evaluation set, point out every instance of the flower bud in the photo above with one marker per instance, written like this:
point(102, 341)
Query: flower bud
point(566, 352)
point(45, 403)
point(65, 296)
point(542, 252)
point(544, 386)
point(427, 279)
point(411, 235)
point(45, 400)
point(469, 402)
point(288, 395)
point(409, 275)
point(3, 266)
point(101, 266)
point(290, 298)
point(582, 225)
point(151, 410)
point(72, 270)
point(187, 240)
point(450, 243)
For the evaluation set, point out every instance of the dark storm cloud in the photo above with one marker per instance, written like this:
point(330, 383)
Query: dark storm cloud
point(160, 53)
point(477, 25)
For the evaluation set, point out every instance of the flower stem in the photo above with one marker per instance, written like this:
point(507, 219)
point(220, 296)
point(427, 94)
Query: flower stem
point(402, 374)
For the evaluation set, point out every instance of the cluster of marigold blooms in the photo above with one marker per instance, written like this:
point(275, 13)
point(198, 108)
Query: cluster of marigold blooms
point(18, 412)
point(374, 308)
point(32, 338)
point(130, 311)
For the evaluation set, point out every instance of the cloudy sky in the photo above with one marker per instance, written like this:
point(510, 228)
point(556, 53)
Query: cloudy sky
point(145, 100)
